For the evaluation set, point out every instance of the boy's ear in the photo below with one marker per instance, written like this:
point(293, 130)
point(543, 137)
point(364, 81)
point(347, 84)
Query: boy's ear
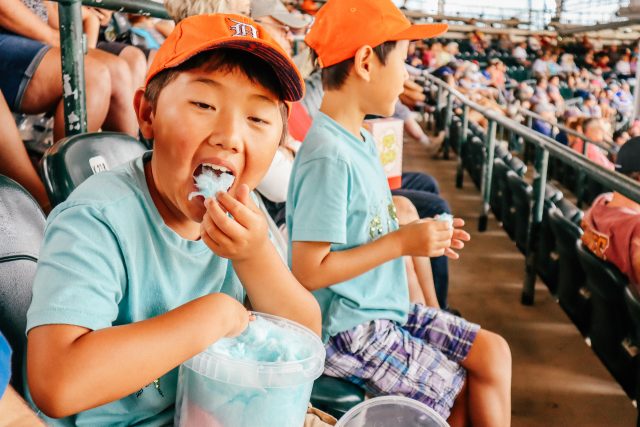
point(363, 61)
point(144, 113)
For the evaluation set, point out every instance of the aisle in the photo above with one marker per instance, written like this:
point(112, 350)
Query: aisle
point(557, 380)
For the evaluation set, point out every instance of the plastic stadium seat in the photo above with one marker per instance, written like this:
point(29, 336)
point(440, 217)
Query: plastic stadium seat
point(517, 165)
point(570, 211)
point(335, 396)
point(521, 198)
point(546, 254)
point(22, 224)
point(571, 291)
point(508, 208)
point(498, 184)
point(72, 160)
point(502, 152)
point(632, 299)
point(609, 325)
point(592, 189)
point(552, 193)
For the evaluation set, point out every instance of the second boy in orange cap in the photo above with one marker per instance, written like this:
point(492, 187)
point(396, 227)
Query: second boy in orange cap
point(346, 245)
point(134, 276)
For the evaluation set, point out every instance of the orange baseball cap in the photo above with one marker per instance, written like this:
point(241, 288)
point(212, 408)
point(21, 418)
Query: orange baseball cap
point(341, 27)
point(200, 33)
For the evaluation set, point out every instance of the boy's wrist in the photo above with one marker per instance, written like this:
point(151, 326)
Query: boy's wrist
point(395, 244)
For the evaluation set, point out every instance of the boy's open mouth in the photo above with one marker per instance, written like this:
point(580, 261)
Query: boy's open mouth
point(210, 179)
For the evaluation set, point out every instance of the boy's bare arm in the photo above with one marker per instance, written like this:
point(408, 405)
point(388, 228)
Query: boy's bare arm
point(317, 267)
point(72, 369)
point(244, 239)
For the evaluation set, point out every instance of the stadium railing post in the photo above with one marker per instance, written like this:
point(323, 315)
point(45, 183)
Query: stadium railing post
point(535, 218)
point(487, 172)
point(72, 51)
point(447, 124)
point(461, 141)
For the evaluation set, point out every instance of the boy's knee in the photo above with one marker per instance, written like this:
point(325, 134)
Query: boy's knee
point(491, 356)
point(405, 210)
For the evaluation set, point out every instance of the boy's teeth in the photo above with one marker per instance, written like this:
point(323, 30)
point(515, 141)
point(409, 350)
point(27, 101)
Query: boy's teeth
point(216, 167)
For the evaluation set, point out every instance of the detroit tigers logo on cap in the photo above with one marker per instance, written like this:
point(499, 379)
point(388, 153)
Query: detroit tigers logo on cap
point(242, 29)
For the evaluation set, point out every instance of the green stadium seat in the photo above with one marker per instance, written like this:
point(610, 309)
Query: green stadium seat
point(498, 184)
point(22, 223)
point(609, 326)
point(521, 198)
point(546, 255)
point(632, 300)
point(72, 160)
point(335, 396)
point(571, 291)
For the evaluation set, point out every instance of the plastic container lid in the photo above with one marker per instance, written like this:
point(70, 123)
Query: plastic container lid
point(248, 373)
point(391, 411)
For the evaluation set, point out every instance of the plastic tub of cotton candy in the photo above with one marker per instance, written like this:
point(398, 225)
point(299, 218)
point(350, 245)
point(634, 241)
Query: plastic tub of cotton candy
point(391, 411)
point(262, 378)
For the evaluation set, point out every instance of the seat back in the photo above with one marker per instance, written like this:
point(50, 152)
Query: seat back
point(498, 184)
point(72, 160)
point(570, 211)
point(546, 254)
point(521, 196)
point(571, 279)
point(609, 324)
point(21, 231)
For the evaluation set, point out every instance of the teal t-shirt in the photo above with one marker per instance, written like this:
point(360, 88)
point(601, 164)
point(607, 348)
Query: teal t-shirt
point(339, 193)
point(109, 259)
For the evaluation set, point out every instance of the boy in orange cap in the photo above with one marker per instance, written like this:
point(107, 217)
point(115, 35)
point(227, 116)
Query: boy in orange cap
point(346, 245)
point(135, 274)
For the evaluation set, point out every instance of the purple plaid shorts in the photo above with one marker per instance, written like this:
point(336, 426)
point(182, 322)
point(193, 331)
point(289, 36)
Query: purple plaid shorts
point(420, 359)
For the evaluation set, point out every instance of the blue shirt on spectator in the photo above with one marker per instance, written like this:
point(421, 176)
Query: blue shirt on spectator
point(5, 364)
point(339, 193)
point(109, 259)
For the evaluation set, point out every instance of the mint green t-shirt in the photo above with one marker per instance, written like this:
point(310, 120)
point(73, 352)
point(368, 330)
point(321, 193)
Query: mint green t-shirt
point(339, 193)
point(109, 259)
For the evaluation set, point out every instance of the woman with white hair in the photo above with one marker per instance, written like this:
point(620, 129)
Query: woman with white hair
point(180, 9)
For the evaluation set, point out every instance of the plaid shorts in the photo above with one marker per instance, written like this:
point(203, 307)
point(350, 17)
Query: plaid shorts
point(420, 359)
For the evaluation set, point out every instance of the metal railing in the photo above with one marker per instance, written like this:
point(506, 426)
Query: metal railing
point(544, 146)
point(73, 48)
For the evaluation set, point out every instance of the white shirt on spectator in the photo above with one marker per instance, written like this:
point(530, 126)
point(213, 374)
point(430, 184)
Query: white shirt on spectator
point(541, 67)
point(519, 53)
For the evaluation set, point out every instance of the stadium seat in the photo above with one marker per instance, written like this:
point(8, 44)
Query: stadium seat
point(632, 300)
point(517, 165)
point(592, 189)
point(571, 291)
point(609, 325)
point(570, 211)
point(22, 224)
point(72, 160)
point(498, 182)
point(521, 197)
point(335, 396)
point(546, 254)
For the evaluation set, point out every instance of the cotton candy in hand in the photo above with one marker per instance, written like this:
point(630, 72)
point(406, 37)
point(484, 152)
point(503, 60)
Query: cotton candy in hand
point(445, 217)
point(209, 184)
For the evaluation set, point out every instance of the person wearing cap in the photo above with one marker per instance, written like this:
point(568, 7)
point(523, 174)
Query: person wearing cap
point(612, 224)
point(136, 275)
point(346, 246)
point(593, 130)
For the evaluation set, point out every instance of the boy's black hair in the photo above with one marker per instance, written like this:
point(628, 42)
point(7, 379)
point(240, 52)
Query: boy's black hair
point(333, 77)
point(257, 71)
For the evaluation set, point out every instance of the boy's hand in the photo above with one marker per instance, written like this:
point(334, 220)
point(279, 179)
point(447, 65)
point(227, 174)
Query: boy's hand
point(431, 238)
point(237, 315)
point(236, 238)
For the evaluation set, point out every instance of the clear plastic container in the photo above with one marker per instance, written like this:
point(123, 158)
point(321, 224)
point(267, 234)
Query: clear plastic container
point(217, 390)
point(391, 411)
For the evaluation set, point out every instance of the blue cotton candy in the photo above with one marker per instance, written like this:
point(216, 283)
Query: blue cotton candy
point(209, 184)
point(264, 341)
point(445, 217)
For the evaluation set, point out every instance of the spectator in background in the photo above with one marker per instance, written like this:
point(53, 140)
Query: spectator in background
point(553, 92)
point(31, 76)
point(590, 107)
point(540, 65)
point(612, 225)
point(548, 114)
point(520, 54)
point(180, 9)
point(567, 64)
point(14, 160)
point(593, 130)
point(447, 55)
point(623, 66)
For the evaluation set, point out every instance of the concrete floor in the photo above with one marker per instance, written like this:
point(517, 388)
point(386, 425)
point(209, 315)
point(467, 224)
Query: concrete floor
point(557, 380)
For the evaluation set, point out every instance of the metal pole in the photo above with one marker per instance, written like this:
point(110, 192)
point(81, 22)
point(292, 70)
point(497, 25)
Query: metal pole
point(138, 7)
point(73, 95)
point(487, 171)
point(447, 125)
point(461, 142)
point(535, 218)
